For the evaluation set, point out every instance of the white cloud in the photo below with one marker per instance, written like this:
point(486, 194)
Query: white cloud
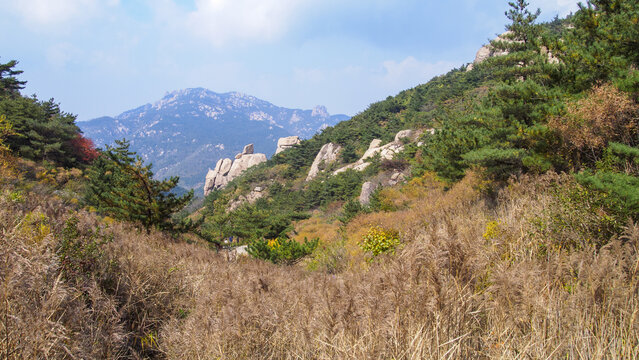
point(48, 13)
point(225, 21)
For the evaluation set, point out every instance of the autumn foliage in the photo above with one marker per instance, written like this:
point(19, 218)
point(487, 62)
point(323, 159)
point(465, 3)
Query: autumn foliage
point(84, 149)
point(604, 115)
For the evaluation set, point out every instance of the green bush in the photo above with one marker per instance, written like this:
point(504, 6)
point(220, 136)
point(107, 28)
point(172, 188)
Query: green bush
point(280, 250)
point(379, 240)
point(330, 258)
point(79, 252)
point(350, 209)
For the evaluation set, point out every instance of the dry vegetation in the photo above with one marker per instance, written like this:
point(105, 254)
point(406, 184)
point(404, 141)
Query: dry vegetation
point(605, 114)
point(520, 279)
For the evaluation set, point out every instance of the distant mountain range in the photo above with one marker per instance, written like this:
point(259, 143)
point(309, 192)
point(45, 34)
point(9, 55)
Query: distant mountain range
point(188, 131)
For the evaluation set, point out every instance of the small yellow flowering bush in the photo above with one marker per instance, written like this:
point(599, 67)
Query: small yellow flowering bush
point(492, 230)
point(379, 240)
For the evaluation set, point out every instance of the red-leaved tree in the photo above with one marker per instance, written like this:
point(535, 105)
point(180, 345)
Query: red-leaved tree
point(84, 149)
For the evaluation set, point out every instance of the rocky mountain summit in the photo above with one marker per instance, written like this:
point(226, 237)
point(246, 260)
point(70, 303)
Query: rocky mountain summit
point(187, 131)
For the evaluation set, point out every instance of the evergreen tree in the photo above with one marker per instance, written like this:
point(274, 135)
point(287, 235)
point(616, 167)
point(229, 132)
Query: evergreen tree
point(122, 187)
point(9, 84)
point(520, 45)
point(41, 130)
point(602, 45)
point(524, 98)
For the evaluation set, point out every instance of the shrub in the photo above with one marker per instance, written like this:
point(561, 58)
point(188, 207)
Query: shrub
point(280, 250)
point(379, 240)
point(492, 230)
point(79, 253)
point(605, 115)
point(330, 258)
point(351, 209)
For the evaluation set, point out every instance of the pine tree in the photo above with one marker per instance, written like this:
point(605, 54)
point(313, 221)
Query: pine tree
point(9, 84)
point(602, 45)
point(121, 186)
point(43, 131)
point(524, 99)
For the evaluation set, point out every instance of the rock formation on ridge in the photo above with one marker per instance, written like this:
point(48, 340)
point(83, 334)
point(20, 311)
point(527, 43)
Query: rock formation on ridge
point(327, 154)
point(386, 152)
point(227, 169)
point(287, 143)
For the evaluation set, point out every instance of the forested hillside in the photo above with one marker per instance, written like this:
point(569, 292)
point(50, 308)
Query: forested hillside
point(556, 102)
point(503, 225)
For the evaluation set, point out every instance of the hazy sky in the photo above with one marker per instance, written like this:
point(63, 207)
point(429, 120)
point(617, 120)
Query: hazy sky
point(102, 57)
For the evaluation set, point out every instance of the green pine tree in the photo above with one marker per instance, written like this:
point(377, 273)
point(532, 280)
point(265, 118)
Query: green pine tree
point(121, 186)
point(9, 84)
point(516, 110)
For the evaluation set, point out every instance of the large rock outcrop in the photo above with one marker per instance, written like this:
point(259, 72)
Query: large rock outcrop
point(386, 152)
point(487, 51)
point(287, 143)
point(256, 194)
point(368, 188)
point(227, 169)
point(327, 154)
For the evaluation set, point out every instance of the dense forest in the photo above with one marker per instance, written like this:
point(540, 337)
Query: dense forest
point(510, 232)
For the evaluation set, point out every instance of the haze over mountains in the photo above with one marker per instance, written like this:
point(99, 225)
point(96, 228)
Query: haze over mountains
point(187, 131)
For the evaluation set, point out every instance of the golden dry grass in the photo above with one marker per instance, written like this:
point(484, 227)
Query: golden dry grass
point(453, 291)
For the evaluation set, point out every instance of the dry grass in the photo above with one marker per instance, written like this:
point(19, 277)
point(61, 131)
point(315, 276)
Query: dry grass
point(453, 291)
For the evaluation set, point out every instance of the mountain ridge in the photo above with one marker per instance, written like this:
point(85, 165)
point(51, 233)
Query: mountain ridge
point(188, 130)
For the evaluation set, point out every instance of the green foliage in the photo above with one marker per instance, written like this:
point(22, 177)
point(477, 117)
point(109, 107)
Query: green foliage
point(601, 46)
point(378, 241)
point(329, 258)
point(350, 209)
point(281, 250)
point(622, 191)
point(41, 131)
point(119, 185)
point(9, 84)
point(578, 216)
point(617, 178)
point(500, 163)
point(344, 185)
point(79, 252)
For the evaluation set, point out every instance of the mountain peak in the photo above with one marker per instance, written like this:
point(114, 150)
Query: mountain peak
point(189, 129)
point(320, 111)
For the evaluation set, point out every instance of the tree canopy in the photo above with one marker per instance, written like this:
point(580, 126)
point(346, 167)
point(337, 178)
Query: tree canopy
point(121, 186)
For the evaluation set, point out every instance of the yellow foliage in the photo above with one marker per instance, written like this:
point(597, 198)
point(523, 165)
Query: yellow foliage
point(492, 230)
point(7, 162)
point(315, 227)
point(273, 243)
point(34, 226)
point(378, 240)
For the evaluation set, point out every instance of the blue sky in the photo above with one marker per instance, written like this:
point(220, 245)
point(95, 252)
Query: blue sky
point(102, 57)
